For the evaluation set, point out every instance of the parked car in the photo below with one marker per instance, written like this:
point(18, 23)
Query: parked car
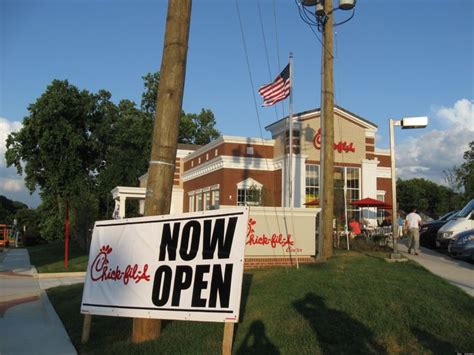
point(429, 230)
point(464, 220)
point(462, 245)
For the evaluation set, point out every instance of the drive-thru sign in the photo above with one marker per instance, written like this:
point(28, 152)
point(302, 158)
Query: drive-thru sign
point(185, 266)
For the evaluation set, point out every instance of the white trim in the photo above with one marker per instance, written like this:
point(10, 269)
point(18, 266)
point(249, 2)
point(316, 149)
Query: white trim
point(128, 192)
point(247, 183)
point(380, 151)
point(229, 139)
point(370, 133)
point(181, 153)
point(228, 162)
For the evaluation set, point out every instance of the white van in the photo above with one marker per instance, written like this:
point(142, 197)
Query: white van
point(463, 220)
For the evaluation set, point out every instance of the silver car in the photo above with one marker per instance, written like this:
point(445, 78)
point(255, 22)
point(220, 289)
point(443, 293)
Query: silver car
point(462, 245)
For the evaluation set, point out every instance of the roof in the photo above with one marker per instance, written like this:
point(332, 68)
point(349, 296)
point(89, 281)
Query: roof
point(185, 146)
point(319, 110)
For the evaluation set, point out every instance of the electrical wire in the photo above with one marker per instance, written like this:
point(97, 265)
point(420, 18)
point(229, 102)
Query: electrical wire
point(255, 104)
point(248, 67)
point(278, 52)
point(312, 21)
point(266, 49)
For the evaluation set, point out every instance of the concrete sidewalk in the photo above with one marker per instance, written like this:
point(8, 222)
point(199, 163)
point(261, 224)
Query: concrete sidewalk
point(28, 322)
point(457, 272)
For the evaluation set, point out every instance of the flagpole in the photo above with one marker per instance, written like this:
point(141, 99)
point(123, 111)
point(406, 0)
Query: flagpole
point(290, 125)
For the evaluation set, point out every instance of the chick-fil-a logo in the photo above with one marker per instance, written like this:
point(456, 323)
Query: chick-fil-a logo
point(340, 147)
point(102, 271)
point(273, 241)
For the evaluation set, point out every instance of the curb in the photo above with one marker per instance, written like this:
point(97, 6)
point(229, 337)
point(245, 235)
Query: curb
point(53, 275)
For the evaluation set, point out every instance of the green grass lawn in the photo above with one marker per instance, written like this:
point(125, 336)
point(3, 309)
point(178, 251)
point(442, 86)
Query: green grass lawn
point(50, 258)
point(355, 303)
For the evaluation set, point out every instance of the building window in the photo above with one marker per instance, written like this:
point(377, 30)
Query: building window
point(207, 200)
point(251, 196)
point(352, 176)
point(249, 193)
point(191, 203)
point(199, 202)
point(312, 182)
point(296, 142)
point(346, 190)
point(381, 214)
point(215, 199)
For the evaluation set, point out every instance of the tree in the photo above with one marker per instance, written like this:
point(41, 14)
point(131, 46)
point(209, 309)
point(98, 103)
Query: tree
point(127, 141)
point(8, 209)
point(198, 128)
point(465, 173)
point(427, 196)
point(194, 128)
point(55, 149)
point(28, 221)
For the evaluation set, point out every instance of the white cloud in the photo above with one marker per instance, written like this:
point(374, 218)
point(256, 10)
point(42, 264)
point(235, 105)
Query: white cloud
point(6, 127)
point(429, 154)
point(11, 185)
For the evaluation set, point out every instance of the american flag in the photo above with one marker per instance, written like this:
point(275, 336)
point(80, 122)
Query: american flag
point(277, 90)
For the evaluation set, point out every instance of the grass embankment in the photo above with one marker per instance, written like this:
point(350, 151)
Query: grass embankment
point(355, 303)
point(50, 258)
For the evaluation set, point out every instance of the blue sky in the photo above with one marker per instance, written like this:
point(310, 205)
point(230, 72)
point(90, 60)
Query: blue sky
point(393, 59)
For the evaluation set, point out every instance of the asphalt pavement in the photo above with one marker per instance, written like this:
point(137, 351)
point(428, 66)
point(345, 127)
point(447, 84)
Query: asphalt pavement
point(28, 322)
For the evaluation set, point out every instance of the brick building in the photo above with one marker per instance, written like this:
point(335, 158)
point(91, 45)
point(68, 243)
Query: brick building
point(254, 171)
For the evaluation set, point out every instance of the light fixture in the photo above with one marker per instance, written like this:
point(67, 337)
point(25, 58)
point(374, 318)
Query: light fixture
point(346, 4)
point(414, 122)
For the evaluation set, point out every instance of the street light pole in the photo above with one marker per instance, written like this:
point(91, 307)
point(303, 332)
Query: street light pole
point(395, 254)
point(405, 123)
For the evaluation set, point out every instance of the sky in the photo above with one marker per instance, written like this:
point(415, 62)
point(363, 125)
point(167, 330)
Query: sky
point(393, 59)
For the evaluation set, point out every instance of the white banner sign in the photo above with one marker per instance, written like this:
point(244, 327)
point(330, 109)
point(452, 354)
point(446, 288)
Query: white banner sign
point(278, 232)
point(186, 267)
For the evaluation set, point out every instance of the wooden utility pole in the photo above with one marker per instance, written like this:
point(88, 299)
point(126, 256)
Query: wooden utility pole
point(165, 132)
point(328, 132)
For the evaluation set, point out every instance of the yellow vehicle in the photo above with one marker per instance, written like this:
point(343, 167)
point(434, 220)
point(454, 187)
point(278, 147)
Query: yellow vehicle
point(4, 235)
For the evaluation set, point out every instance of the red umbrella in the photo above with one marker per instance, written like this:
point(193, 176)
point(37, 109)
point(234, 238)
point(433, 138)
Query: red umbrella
point(312, 203)
point(385, 206)
point(369, 202)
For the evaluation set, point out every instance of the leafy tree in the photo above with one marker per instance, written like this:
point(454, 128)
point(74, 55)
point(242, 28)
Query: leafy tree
point(127, 138)
point(56, 150)
point(8, 208)
point(194, 128)
point(28, 221)
point(465, 173)
point(149, 96)
point(426, 196)
point(198, 128)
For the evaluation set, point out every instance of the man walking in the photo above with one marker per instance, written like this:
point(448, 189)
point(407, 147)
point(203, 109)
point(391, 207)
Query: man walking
point(413, 222)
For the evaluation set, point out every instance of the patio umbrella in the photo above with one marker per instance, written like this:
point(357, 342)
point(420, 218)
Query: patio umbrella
point(385, 206)
point(312, 203)
point(370, 202)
